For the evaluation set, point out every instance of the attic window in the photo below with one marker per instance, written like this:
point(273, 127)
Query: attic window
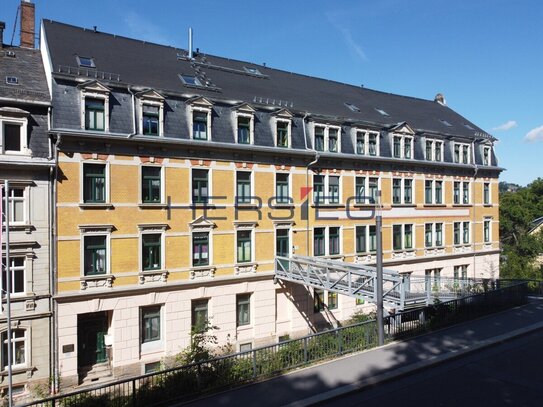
point(445, 123)
point(85, 62)
point(252, 70)
point(468, 126)
point(190, 80)
point(12, 80)
point(352, 107)
point(382, 112)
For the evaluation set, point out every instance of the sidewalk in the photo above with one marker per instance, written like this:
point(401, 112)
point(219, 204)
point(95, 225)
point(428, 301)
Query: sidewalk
point(330, 379)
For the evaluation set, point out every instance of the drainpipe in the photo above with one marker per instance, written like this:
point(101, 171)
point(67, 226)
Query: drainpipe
point(134, 124)
point(307, 183)
point(53, 264)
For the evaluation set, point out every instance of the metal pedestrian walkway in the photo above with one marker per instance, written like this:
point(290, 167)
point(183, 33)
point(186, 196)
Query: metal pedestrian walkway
point(400, 291)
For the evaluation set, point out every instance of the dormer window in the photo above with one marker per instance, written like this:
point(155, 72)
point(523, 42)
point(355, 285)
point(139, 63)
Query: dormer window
point(94, 106)
point(12, 80)
point(327, 138)
point(243, 117)
point(402, 147)
point(367, 143)
point(151, 113)
point(486, 155)
point(94, 114)
point(199, 125)
point(461, 153)
point(200, 118)
point(434, 150)
point(282, 134)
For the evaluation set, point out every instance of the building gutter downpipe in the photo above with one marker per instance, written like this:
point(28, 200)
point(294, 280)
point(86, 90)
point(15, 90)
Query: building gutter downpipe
point(474, 217)
point(317, 156)
point(54, 266)
point(134, 125)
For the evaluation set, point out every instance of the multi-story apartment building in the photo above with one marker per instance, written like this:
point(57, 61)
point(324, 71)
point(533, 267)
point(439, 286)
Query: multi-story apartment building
point(26, 163)
point(181, 176)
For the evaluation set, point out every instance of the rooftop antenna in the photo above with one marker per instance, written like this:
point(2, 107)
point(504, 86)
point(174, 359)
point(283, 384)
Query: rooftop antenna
point(190, 43)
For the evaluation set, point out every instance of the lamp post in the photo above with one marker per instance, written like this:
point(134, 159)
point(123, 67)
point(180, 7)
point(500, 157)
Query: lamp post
point(379, 269)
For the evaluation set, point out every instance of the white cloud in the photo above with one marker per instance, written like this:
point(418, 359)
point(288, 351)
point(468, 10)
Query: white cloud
point(534, 135)
point(140, 28)
point(506, 126)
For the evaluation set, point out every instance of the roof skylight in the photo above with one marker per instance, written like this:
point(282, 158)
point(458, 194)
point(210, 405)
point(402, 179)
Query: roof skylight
point(253, 70)
point(12, 80)
point(190, 80)
point(382, 112)
point(445, 123)
point(468, 126)
point(352, 107)
point(85, 62)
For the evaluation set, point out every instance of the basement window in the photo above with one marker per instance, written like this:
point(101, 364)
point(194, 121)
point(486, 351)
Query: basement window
point(12, 80)
point(190, 80)
point(86, 62)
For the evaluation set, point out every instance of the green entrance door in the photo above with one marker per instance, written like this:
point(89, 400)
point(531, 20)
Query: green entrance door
point(91, 329)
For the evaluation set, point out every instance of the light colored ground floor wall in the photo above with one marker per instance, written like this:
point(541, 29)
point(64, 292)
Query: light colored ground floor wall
point(275, 310)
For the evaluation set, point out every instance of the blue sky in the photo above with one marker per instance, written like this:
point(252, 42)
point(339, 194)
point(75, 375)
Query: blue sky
point(485, 56)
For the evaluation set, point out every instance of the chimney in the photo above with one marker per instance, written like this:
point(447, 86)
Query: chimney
point(2, 26)
point(440, 99)
point(27, 24)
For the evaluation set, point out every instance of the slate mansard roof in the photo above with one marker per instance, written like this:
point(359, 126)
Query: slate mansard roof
point(25, 65)
point(133, 62)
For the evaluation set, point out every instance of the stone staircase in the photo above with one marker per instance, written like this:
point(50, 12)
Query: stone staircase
point(95, 374)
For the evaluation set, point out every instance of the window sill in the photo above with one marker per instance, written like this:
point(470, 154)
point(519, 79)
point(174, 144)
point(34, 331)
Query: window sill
point(85, 205)
point(282, 206)
point(28, 228)
point(488, 205)
point(17, 370)
point(245, 268)
point(97, 281)
point(202, 272)
point(328, 205)
point(396, 254)
point(462, 248)
point(153, 276)
point(202, 205)
point(365, 205)
point(461, 205)
point(248, 205)
point(245, 327)
point(441, 205)
point(397, 205)
point(152, 205)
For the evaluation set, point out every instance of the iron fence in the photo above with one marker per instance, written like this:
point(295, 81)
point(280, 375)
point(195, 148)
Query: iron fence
point(186, 382)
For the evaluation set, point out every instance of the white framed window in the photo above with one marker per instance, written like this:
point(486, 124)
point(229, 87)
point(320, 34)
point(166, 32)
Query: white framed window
point(201, 186)
point(18, 205)
point(151, 117)
point(327, 189)
point(433, 192)
point(402, 146)
point(95, 250)
point(94, 177)
point(327, 241)
point(461, 233)
point(13, 134)
point(245, 242)
point(487, 230)
point(460, 272)
point(283, 188)
point(245, 126)
point(94, 101)
point(402, 191)
point(152, 247)
point(365, 239)
point(244, 188)
point(324, 300)
point(327, 138)
point(367, 142)
point(201, 247)
point(152, 185)
point(461, 153)
point(200, 112)
point(487, 193)
point(366, 190)
point(283, 132)
point(403, 237)
point(19, 348)
point(283, 239)
point(487, 155)
point(433, 150)
point(17, 271)
point(433, 235)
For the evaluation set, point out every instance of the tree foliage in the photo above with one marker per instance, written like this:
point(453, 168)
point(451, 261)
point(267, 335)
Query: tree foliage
point(518, 210)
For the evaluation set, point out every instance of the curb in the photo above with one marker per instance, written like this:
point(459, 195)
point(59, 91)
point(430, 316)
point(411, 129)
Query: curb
point(402, 371)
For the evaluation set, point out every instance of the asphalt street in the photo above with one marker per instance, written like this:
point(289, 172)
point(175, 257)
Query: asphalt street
point(509, 374)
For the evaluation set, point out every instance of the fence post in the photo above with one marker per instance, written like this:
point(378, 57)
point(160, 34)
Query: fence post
point(254, 364)
point(339, 341)
point(134, 403)
point(305, 350)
